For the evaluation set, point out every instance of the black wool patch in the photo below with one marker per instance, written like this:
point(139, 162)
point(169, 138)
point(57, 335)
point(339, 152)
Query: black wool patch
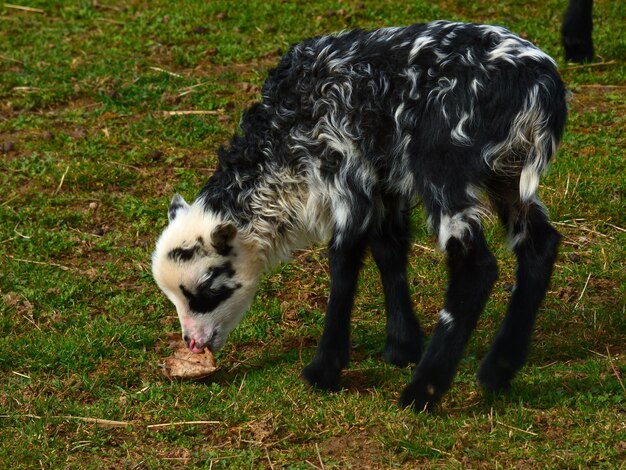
point(186, 254)
point(182, 254)
point(208, 297)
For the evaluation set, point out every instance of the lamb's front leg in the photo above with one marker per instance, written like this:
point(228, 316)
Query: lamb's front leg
point(333, 351)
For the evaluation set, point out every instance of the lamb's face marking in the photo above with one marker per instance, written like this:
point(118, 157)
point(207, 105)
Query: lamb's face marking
point(215, 287)
point(207, 272)
point(186, 254)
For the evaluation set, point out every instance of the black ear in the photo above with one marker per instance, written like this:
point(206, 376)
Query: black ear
point(222, 236)
point(178, 204)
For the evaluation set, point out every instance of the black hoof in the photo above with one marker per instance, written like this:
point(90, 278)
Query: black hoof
point(402, 354)
point(420, 397)
point(495, 378)
point(321, 376)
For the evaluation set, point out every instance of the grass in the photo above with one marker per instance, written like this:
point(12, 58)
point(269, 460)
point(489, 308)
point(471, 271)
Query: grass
point(89, 162)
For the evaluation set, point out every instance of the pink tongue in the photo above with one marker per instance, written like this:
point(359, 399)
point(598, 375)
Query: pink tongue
point(193, 348)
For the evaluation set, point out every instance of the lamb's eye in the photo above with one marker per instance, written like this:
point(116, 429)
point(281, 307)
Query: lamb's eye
point(207, 279)
point(207, 290)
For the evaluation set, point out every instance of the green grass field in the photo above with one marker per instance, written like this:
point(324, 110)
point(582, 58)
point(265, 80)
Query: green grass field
point(91, 152)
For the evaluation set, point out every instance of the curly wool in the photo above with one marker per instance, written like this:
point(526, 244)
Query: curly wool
point(347, 122)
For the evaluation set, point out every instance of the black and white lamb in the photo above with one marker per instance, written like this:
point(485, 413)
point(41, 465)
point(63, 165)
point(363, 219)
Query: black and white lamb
point(352, 129)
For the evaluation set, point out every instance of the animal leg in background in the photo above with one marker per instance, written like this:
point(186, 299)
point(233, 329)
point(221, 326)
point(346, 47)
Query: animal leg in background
point(577, 31)
point(390, 245)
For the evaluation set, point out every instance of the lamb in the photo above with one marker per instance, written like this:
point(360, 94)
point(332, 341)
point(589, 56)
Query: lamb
point(352, 129)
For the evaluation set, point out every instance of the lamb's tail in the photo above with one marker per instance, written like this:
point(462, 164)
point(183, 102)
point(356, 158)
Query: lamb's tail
point(534, 136)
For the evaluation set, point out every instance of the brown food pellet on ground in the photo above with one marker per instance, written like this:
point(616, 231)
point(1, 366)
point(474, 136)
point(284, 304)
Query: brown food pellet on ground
point(183, 364)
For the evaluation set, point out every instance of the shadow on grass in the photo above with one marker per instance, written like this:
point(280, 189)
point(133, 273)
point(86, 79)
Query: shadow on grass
point(554, 392)
point(550, 385)
point(366, 374)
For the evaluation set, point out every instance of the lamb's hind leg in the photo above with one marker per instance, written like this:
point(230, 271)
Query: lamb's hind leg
point(472, 271)
point(333, 351)
point(535, 243)
point(390, 246)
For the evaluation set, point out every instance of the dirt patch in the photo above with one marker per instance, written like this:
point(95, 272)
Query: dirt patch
point(12, 144)
point(177, 456)
point(261, 429)
point(244, 71)
point(359, 381)
point(20, 303)
point(355, 449)
point(596, 99)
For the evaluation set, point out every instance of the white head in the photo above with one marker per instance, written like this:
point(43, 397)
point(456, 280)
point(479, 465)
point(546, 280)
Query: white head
point(207, 271)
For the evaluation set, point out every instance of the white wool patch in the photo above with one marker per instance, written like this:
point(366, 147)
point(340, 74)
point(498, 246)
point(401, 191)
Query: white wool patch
point(386, 34)
point(446, 318)
point(476, 85)
point(507, 51)
point(341, 214)
point(420, 43)
point(283, 198)
point(458, 134)
point(413, 75)
point(398, 117)
point(438, 94)
point(512, 48)
point(528, 183)
point(458, 225)
point(405, 184)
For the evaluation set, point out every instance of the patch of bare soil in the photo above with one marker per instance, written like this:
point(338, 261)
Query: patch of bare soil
point(20, 303)
point(247, 70)
point(355, 449)
point(261, 429)
point(13, 143)
point(360, 381)
point(594, 99)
